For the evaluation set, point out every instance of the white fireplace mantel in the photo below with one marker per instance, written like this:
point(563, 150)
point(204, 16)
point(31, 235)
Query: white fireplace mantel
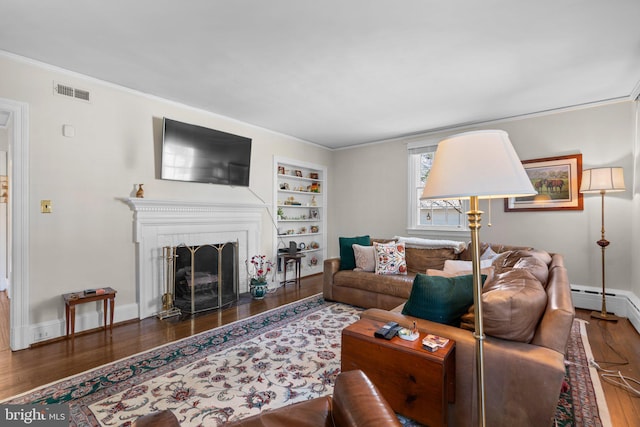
point(160, 223)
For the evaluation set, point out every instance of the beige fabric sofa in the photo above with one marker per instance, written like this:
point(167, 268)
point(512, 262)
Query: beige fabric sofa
point(523, 379)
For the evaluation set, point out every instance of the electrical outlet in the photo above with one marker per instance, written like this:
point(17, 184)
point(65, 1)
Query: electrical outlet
point(41, 335)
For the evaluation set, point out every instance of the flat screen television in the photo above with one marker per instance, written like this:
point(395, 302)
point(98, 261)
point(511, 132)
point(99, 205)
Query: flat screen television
point(198, 154)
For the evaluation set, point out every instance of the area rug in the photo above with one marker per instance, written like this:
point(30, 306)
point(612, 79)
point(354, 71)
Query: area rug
point(273, 359)
point(582, 401)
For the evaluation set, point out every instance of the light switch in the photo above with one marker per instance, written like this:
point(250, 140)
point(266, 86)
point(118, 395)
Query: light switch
point(45, 206)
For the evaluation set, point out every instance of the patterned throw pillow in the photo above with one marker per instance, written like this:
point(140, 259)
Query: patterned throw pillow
point(390, 258)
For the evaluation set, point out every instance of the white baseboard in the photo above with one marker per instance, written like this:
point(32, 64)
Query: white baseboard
point(84, 321)
point(621, 303)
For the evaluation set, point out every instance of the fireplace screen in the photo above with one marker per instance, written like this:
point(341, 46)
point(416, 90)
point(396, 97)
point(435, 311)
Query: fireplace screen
point(202, 277)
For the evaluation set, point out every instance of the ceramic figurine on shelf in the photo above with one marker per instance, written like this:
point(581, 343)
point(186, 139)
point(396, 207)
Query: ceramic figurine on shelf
point(140, 192)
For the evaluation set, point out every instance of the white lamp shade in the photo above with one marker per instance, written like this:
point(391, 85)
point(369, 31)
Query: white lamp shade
point(607, 179)
point(480, 163)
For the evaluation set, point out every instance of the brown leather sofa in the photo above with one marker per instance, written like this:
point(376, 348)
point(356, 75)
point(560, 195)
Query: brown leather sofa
point(370, 290)
point(356, 402)
point(523, 378)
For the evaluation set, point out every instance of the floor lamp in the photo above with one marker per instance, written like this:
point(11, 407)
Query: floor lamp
point(477, 165)
point(602, 180)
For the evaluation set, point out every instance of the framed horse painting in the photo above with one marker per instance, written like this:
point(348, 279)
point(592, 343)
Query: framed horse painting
point(557, 181)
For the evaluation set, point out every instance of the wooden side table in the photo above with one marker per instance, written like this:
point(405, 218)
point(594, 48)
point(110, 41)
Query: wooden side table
point(297, 260)
point(417, 383)
point(74, 298)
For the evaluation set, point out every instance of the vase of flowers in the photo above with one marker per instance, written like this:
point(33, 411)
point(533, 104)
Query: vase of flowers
point(258, 269)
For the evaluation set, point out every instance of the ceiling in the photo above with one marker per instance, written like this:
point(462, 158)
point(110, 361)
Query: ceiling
point(343, 72)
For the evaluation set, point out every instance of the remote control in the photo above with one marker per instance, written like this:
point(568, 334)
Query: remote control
point(392, 332)
point(390, 328)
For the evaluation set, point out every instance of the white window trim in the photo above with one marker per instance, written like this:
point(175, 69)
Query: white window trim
point(413, 228)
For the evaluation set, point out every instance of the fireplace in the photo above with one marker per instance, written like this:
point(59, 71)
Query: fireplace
point(202, 277)
point(167, 223)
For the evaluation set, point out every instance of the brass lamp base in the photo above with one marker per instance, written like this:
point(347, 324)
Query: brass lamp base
point(604, 316)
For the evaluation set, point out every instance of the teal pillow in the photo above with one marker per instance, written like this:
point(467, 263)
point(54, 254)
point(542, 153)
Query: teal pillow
point(440, 299)
point(347, 258)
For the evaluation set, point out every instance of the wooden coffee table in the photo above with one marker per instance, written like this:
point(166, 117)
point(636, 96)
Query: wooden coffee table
point(417, 383)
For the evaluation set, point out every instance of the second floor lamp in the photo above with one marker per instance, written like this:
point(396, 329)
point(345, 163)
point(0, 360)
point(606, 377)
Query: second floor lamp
point(602, 180)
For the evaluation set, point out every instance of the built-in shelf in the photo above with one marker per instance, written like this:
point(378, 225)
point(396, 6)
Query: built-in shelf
point(300, 200)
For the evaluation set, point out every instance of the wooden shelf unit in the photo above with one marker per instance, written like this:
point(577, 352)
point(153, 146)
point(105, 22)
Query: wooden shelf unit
point(301, 201)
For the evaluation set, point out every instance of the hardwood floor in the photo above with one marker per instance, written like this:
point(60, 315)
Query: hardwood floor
point(4, 321)
point(23, 370)
point(616, 347)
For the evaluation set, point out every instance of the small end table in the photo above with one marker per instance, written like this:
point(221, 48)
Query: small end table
point(295, 258)
point(417, 383)
point(74, 298)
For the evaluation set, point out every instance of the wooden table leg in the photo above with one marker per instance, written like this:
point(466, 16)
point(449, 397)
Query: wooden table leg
point(104, 314)
point(72, 314)
point(66, 317)
point(112, 302)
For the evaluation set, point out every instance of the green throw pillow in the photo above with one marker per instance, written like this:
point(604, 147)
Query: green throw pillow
point(347, 258)
point(440, 299)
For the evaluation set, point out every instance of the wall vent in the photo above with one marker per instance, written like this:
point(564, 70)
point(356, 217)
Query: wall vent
point(71, 92)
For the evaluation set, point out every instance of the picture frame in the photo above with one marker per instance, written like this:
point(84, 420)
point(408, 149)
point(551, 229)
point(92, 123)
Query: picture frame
point(557, 181)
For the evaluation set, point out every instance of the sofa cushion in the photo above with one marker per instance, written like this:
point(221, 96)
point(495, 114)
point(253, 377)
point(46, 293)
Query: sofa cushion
point(495, 247)
point(440, 299)
point(455, 266)
point(536, 267)
point(365, 257)
point(508, 259)
point(488, 254)
point(347, 257)
point(487, 271)
point(393, 285)
point(420, 259)
point(390, 258)
point(512, 305)
point(537, 262)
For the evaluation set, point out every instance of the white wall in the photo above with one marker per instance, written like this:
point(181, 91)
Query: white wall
point(635, 211)
point(373, 196)
point(88, 239)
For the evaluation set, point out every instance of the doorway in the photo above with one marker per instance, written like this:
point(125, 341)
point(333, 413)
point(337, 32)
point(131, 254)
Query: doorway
point(4, 236)
point(16, 115)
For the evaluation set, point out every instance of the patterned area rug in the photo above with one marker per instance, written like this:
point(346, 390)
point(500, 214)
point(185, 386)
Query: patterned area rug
point(283, 356)
point(582, 401)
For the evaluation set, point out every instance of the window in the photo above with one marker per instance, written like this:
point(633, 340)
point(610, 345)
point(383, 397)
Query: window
point(430, 214)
